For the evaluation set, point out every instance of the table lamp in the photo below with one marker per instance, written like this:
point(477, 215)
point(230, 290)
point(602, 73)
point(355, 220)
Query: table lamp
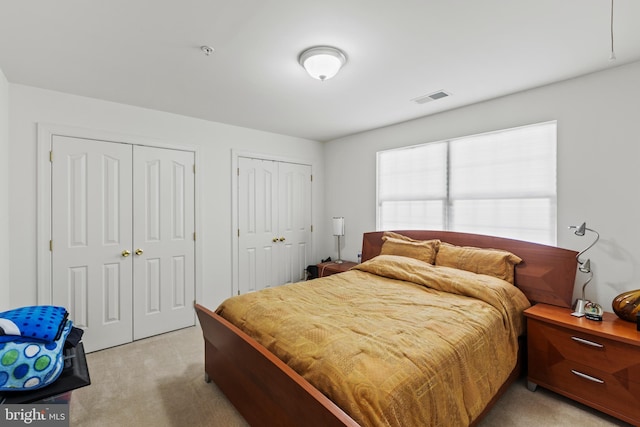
point(338, 230)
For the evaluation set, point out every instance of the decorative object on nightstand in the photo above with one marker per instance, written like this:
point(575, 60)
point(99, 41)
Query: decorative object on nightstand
point(338, 230)
point(627, 306)
point(583, 266)
point(593, 311)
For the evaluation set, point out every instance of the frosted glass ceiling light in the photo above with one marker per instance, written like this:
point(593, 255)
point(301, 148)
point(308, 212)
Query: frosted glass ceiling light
point(322, 62)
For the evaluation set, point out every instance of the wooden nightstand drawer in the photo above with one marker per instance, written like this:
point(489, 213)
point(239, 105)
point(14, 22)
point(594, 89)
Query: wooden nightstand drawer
point(598, 389)
point(611, 357)
point(595, 363)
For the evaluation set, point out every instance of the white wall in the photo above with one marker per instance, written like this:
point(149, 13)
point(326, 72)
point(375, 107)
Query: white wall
point(4, 193)
point(214, 142)
point(598, 174)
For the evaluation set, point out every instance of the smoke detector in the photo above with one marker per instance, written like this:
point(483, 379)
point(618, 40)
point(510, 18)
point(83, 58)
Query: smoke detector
point(208, 50)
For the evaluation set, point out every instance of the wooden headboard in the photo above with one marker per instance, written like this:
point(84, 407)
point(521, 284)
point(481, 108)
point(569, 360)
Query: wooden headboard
point(547, 273)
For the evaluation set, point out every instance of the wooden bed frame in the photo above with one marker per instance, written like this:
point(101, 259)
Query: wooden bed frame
point(267, 392)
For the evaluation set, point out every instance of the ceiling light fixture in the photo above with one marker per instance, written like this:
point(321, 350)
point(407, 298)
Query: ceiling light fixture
point(322, 62)
point(612, 57)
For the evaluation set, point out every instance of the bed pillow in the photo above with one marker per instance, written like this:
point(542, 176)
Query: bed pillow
point(399, 236)
point(492, 262)
point(423, 250)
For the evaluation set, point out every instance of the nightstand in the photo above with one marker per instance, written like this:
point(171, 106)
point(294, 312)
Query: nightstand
point(594, 363)
point(332, 267)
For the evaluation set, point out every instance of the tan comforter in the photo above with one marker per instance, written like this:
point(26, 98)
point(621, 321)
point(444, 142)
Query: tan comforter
point(395, 341)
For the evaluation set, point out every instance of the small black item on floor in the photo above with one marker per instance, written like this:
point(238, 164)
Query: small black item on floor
point(312, 272)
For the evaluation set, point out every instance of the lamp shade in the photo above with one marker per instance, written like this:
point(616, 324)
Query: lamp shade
point(338, 226)
point(580, 230)
point(322, 62)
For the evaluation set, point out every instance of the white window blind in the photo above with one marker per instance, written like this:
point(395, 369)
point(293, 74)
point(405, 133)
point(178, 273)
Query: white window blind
point(500, 183)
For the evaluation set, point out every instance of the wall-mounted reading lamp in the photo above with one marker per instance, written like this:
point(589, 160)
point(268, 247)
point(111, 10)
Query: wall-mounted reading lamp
point(583, 266)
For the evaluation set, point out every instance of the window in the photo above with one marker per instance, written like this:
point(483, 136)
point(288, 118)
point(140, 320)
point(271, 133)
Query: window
point(500, 183)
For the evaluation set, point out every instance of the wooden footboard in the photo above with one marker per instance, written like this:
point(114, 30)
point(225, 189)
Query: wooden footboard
point(265, 390)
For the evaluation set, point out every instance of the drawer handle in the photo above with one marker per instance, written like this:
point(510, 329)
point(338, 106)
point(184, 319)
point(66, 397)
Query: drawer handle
point(587, 342)
point(587, 377)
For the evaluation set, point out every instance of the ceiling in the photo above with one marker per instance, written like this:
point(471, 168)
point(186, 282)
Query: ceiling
point(147, 53)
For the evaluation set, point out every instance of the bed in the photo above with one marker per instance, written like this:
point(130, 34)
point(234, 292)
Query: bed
point(274, 382)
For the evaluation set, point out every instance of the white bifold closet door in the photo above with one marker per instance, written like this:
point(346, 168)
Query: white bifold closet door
point(274, 223)
point(163, 240)
point(123, 248)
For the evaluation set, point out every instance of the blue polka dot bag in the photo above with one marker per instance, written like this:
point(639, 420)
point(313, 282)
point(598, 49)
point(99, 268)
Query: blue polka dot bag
point(31, 347)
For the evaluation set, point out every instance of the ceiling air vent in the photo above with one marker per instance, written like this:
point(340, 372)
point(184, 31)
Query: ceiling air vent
point(431, 97)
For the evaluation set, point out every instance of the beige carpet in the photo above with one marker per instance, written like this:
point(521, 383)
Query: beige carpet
point(159, 381)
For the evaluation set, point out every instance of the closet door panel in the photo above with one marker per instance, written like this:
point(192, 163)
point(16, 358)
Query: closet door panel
point(258, 236)
point(294, 220)
point(164, 247)
point(274, 223)
point(91, 227)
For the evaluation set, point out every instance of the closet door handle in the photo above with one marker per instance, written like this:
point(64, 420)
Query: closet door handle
point(139, 251)
point(274, 240)
point(282, 239)
point(126, 253)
